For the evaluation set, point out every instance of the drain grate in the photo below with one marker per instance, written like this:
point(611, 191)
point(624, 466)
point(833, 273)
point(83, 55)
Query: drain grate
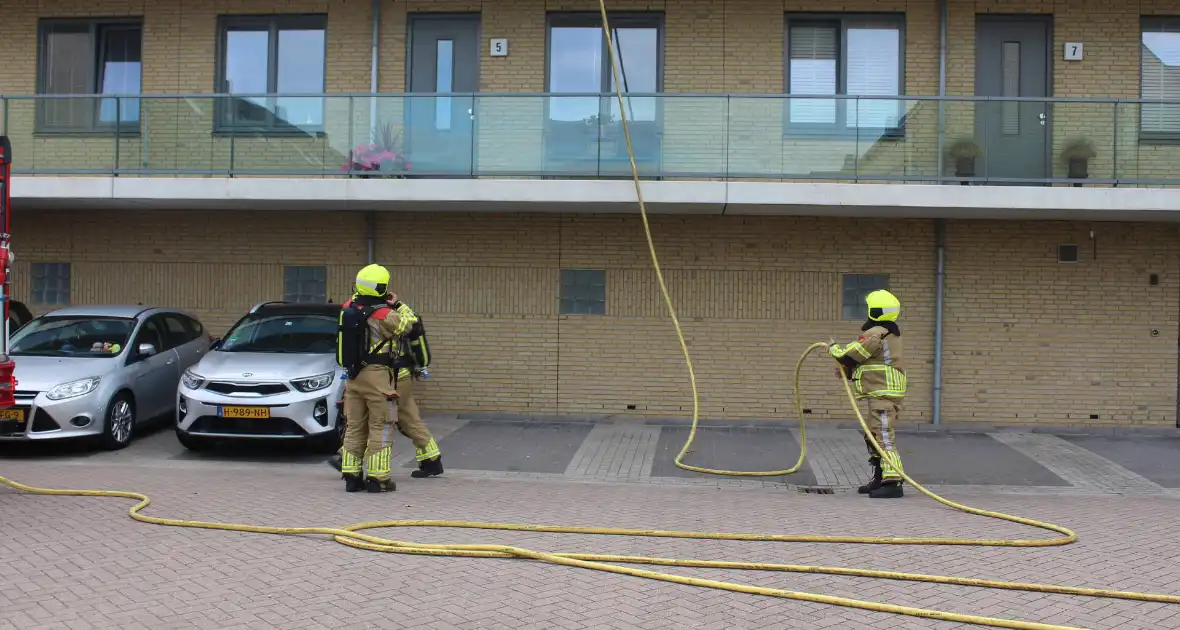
point(816, 490)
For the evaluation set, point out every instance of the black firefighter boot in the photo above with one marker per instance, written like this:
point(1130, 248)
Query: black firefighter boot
point(428, 468)
point(875, 482)
point(888, 490)
point(376, 485)
point(353, 483)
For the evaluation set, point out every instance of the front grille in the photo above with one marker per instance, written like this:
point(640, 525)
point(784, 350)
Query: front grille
point(258, 389)
point(42, 421)
point(21, 394)
point(246, 426)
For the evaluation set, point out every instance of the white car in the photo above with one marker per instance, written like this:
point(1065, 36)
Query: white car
point(272, 377)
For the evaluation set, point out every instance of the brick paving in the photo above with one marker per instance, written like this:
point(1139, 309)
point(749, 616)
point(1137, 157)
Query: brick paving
point(82, 563)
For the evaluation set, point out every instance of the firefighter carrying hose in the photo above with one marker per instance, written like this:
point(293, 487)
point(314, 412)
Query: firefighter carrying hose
point(381, 342)
point(875, 364)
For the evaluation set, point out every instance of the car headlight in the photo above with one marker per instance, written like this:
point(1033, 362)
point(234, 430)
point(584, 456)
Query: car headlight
point(73, 389)
point(313, 383)
point(192, 380)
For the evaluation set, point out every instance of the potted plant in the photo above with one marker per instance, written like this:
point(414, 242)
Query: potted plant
point(964, 151)
point(1077, 154)
point(606, 130)
point(383, 159)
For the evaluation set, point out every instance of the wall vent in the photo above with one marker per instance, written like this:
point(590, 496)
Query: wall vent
point(1067, 253)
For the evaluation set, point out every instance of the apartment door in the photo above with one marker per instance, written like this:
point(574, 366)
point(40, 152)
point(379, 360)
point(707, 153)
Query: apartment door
point(444, 58)
point(1012, 59)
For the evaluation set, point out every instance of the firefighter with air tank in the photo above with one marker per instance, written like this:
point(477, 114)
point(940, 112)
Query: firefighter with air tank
point(381, 342)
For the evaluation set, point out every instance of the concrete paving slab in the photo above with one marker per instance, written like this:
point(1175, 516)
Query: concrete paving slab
point(735, 448)
point(1155, 458)
point(1082, 468)
point(498, 445)
point(970, 459)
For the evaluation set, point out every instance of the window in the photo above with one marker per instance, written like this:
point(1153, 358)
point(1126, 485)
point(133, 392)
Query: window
point(305, 284)
point(844, 55)
point(84, 336)
point(267, 55)
point(583, 292)
point(856, 287)
point(1159, 77)
point(180, 329)
point(579, 62)
point(51, 283)
point(151, 332)
point(195, 327)
point(89, 57)
point(293, 332)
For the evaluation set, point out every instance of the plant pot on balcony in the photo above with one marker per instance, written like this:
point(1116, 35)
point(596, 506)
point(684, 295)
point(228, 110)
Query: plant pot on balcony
point(1077, 154)
point(964, 153)
point(965, 167)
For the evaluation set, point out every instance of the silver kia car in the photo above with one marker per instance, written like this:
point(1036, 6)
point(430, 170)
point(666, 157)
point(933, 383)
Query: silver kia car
point(273, 376)
point(99, 371)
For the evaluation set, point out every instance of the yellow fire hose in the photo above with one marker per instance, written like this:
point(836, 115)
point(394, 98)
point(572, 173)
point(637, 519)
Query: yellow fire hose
point(352, 537)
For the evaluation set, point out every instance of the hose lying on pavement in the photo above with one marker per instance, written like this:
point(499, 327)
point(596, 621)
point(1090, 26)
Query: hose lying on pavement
point(352, 536)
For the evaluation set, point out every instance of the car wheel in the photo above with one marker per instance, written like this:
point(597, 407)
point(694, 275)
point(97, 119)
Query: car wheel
point(120, 423)
point(190, 442)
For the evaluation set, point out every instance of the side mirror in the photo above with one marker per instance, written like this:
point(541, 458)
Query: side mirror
point(146, 350)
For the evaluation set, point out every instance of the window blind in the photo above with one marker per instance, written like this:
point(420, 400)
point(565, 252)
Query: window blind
point(813, 57)
point(874, 55)
point(1160, 81)
point(69, 64)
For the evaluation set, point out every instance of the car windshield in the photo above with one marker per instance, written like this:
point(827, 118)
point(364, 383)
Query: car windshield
point(301, 333)
point(75, 336)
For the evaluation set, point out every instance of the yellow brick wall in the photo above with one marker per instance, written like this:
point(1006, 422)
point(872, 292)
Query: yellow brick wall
point(1031, 340)
point(710, 47)
point(1027, 339)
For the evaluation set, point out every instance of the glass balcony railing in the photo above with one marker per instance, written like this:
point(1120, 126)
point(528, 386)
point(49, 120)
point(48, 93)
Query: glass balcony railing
point(953, 140)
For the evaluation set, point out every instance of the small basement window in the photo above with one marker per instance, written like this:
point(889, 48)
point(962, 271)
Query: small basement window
point(305, 285)
point(51, 283)
point(856, 288)
point(1067, 253)
point(583, 292)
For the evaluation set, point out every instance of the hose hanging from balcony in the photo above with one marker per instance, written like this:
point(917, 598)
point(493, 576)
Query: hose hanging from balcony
point(352, 537)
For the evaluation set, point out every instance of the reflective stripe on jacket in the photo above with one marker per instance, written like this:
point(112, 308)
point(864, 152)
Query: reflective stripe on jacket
point(879, 361)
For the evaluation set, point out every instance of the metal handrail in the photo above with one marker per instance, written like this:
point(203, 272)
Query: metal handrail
point(611, 95)
point(729, 158)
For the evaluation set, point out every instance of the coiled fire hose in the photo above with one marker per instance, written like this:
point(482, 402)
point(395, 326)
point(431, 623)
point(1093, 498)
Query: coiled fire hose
point(352, 536)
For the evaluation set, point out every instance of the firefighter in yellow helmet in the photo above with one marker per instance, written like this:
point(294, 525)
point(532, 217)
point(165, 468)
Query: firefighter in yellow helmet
point(875, 363)
point(369, 345)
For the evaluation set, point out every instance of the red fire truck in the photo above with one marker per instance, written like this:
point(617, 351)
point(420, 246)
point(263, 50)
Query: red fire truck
point(7, 380)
